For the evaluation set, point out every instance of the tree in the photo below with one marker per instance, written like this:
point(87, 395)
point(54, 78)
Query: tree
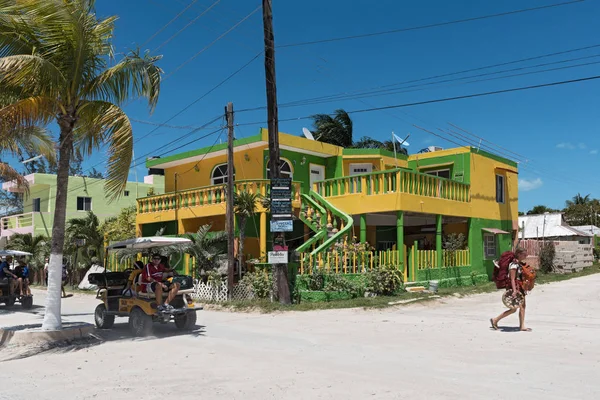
point(38, 246)
point(94, 173)
point(121, 227)
point(207, 247)
point(85, 229)
point(540, 209)
point(578, 199)
point(583, 214)
point(54, 61)
point(335, 130)
point(367, 142)
point(10, 203)
point(244, 208)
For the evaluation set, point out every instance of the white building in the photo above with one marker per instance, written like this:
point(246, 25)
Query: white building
point(552, 227)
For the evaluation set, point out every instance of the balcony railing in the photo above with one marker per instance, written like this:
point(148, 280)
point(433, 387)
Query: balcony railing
point(21, 223)
point(395, 181)
point(208, 196)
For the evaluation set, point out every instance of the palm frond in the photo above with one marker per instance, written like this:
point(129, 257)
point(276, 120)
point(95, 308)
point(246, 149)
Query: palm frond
point(9, 174)
point(31, 111)
point(31, 139)
point(244, 203)
point(100, 122)
point(133, 77)
point(32, 73)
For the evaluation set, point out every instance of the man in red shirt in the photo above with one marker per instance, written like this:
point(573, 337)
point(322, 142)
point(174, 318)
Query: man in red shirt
point(153, 278)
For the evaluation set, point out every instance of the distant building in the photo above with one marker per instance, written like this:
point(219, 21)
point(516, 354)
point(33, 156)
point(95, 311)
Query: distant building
point(84, 194)
point(552, 226)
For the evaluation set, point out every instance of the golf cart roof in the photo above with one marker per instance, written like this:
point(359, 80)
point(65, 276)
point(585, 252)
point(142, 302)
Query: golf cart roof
point(4, 253)
point(144, 243)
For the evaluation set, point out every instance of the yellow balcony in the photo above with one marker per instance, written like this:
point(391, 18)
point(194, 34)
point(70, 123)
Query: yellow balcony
point(396, 189)
point(203, 201)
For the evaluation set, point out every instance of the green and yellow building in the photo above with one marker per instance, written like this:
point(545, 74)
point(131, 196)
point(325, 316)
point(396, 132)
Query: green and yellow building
point(403, 207)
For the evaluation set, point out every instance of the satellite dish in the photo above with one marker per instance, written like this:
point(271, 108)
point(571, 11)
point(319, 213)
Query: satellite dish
point(405, 143)
point(308, 134)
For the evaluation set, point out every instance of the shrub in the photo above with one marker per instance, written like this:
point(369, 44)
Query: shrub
point(338, 283)
point(547, 254)
point(260, 282)
point(385, 280)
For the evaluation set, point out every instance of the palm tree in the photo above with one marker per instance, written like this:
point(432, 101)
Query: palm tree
point(244, 208)
point(578, 199)
point(38, 246)
point(335, 130)
point(54, 58)
point(367, 142)
point(88, 230)
point(207, 247)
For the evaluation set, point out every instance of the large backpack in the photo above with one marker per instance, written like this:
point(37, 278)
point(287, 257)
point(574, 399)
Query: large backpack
point(500, 274)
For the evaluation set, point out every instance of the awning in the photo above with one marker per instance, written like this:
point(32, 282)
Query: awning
point(495, 231)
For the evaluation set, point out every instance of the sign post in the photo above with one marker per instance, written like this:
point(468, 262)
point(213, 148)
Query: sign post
point(281, 219)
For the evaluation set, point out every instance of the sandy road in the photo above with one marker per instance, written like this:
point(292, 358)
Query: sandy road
point(441, 350)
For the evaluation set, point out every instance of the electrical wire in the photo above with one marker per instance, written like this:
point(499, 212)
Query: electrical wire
point(193, 21)
point(415, 28)
point(169, 23)
point(211, 43)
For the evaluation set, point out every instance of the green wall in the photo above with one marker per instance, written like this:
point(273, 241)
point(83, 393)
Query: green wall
point(151, 229)
point(44, 187)
point(503, 242)
point(461, 165)
point(301, 172)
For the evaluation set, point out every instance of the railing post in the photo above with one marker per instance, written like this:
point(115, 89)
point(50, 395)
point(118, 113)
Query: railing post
point(438, 239)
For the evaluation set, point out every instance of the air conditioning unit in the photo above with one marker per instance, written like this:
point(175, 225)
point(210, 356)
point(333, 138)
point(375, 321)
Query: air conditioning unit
point(434, 148)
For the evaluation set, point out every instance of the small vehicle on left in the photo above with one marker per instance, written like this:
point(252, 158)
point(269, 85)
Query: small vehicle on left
point(8, 297)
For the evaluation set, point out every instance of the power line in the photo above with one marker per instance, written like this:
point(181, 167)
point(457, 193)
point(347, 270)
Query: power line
point(193, 21)
point(186, 127)
point(459, 21)
point(170, 22)
point(212, 43)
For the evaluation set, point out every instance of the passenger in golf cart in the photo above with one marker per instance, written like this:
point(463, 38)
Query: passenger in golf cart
point(7, 276)
point(155, 280)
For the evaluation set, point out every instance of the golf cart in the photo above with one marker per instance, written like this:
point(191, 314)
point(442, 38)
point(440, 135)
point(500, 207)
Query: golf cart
point(5, 295)
point(122, 295)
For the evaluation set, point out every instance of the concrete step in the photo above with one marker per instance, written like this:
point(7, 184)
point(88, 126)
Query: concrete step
point(413, 289)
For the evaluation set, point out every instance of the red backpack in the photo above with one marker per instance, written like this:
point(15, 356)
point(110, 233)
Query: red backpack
point(500, 274)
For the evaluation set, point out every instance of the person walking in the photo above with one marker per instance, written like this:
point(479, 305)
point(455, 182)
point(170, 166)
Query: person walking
point(514, 298)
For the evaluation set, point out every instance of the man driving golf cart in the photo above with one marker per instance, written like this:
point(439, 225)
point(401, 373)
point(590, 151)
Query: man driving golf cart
point(154, 280)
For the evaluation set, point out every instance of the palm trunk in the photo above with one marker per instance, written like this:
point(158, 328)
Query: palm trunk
point(52, 317)
point(241, 246)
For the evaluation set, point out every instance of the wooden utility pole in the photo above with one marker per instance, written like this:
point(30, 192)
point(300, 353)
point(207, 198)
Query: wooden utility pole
point(280, 270)
point(230, 198)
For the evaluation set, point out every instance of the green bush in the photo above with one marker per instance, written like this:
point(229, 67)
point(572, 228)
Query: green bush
point(547, 254)
point(339, 284)
point(260, 282)
point(385, 280)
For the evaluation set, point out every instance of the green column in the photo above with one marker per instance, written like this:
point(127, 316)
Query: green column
point(363, 228)
point(470, 239)
point(438, 240)
point(400, 234)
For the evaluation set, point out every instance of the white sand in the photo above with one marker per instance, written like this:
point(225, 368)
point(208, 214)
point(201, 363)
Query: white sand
point(441, 350)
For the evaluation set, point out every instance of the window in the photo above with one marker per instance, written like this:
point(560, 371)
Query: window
point(37, 205)
point(357, 169)
point(500, 189)
point(84, 204)
point(489, 246)
point(126, 193)
point(442, 173)
point(285, 169)
point(219, 175)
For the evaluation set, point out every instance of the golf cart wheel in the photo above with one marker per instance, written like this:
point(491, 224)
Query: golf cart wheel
point(102, 319)
point(187, 321)
point(140, 323)
point(27, 302)
point(10, 301)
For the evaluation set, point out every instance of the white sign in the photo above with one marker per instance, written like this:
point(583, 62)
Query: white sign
point(278, 257)
point(282, 226)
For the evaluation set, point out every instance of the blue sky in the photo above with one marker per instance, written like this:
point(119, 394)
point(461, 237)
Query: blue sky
point(555, 128)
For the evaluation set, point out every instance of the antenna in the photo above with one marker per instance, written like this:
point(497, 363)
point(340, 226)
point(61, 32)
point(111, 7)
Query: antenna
point(31, 159)
point(308, 134)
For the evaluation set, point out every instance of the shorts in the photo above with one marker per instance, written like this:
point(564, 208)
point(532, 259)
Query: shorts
point(151, 287)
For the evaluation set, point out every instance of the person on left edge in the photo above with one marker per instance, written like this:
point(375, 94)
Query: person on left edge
point(6, 273)
point(154, 281)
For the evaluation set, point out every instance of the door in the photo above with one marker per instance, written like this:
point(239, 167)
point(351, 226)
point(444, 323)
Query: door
point(317, 173)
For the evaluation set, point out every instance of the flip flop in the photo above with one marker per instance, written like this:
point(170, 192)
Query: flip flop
point(525, 330)
point(494, 326)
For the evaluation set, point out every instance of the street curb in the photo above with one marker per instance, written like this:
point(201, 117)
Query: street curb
point(22, 335)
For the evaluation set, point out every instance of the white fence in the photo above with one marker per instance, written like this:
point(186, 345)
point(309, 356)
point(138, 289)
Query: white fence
point(217, 292)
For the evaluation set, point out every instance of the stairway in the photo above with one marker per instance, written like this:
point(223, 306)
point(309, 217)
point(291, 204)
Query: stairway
point(329, 224)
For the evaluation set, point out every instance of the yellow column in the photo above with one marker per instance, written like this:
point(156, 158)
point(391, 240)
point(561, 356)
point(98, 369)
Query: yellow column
point(263, 234)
